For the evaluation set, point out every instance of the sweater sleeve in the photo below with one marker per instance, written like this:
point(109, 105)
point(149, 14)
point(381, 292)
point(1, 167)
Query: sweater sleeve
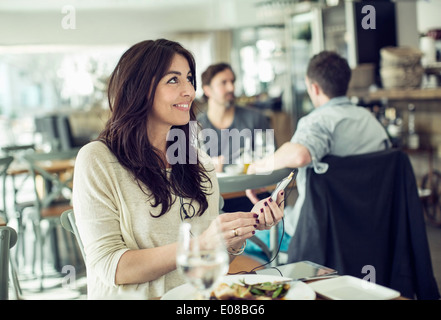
point(97, 217)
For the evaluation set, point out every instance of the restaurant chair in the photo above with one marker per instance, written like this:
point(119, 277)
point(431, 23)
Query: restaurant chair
point(8, 238)
point(364, 218)
point(67, 139)
point(236, 183)
point(68, 222)
point(17, 152)
point(64, 132)
point(52, 196)
point(12, 150)
point(5, 162)
point(47, 126)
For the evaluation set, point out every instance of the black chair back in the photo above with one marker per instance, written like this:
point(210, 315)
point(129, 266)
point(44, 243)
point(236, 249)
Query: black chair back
point(363, 217)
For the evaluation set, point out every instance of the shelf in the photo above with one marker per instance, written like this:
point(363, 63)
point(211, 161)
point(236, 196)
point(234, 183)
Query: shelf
point(406, 94)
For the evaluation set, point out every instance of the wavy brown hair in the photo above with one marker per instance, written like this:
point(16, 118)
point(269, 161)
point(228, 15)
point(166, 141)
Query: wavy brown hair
point(131, 93)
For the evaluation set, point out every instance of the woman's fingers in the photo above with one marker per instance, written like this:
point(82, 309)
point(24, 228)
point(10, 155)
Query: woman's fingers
point(277, 207)
point(237, 226)
point(281, 200)
point(270, 212)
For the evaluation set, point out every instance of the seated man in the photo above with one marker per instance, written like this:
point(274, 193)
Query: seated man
point(233, 126)
point(336, 126)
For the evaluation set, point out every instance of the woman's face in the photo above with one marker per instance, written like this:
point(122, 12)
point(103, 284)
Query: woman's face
point(173, 97)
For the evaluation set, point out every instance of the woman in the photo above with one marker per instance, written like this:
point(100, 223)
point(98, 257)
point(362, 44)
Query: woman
point(128, 198)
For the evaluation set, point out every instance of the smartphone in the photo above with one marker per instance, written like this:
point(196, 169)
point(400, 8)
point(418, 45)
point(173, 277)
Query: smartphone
point(284, 183)
point(303, 270)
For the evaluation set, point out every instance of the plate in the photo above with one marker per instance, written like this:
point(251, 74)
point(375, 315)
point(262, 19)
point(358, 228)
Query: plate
point(352, 288)
point(298, 290)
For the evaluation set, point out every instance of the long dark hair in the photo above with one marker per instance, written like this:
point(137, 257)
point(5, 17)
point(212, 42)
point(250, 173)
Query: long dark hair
point(131, 93)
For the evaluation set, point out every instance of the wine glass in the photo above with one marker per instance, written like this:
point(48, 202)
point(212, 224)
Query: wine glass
point(201, 264)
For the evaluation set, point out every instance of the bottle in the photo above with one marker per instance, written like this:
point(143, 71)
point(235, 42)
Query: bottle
point(247, 156)
point(394, 126)
point(413, 141)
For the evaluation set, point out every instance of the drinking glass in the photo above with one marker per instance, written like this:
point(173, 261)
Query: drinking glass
point(201, 264)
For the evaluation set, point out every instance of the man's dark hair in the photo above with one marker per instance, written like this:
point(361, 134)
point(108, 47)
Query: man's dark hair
point(331, 72)
point(213, 70)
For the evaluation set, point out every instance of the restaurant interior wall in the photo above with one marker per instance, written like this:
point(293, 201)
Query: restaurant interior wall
point(428, 15)
point(415, 19)
point(104, 28)
point(99, 22)
point(312, 28)
point(72, 80)
point(117, 25)
point(206, 26)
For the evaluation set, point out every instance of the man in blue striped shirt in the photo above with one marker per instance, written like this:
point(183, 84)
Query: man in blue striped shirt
point(334, 127)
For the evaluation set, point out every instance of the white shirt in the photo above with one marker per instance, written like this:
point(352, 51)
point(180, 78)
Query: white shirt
point(113, 216)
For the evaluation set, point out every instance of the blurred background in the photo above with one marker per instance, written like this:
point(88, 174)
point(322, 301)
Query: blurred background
point(56, 56)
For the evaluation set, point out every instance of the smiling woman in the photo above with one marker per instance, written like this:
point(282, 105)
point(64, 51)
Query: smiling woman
point(137, 130)
point(124, 186)
point(128, 199)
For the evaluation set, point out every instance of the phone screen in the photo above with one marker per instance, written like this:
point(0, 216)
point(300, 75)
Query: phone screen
point(303, 270)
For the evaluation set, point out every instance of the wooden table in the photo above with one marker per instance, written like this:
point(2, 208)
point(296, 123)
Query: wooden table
point(59, 167)
point(54, 166)
point(244, 263)
point(62, 168)
point(247, 264)
point(238, 194)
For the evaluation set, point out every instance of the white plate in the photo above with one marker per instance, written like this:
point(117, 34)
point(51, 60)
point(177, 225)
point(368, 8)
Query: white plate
point(352, 288)
point(298, 290)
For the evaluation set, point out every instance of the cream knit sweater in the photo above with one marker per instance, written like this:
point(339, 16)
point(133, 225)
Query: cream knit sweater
point(113, 216)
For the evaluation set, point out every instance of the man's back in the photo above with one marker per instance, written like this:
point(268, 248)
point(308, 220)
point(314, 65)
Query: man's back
point(336, 128)
point(340, 128)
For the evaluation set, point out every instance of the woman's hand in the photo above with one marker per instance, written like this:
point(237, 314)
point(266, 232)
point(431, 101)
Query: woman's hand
point(235, 228)
point(269, 212)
